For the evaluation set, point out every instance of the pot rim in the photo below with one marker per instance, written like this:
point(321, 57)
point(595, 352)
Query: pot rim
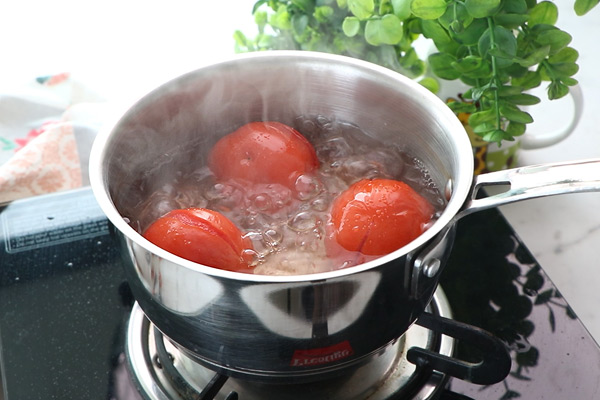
point(461, 185)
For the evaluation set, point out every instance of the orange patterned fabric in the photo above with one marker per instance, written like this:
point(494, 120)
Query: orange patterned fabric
point(48, 163)
point(47, 127)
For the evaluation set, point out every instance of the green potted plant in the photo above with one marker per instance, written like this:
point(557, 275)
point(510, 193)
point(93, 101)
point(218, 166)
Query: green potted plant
point(499, 49)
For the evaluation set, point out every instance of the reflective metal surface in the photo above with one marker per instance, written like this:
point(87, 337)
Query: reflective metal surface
point(306, 325)
point(387, 376)
point(535, 181)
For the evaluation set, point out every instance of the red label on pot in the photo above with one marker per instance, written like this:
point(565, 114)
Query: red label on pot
point(324, 355)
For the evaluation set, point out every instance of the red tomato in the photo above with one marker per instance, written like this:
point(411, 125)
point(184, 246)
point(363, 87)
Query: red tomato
point(376, 217)
point(263, 152)
point(203, 236)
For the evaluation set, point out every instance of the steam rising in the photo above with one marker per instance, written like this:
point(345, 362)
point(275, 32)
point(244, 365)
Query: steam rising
point(159, 149)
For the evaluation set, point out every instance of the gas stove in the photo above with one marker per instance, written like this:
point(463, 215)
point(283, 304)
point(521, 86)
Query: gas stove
point(70, 328)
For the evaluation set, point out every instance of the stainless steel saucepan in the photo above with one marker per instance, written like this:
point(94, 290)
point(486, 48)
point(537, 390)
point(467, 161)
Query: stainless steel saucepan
point(295, 326)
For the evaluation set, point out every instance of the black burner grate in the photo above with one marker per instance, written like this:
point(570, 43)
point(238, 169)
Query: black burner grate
point(164, 360)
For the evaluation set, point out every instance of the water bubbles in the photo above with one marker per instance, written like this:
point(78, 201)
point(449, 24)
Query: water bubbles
point(307, 187)
point(261, 201)
point(223, 197)
point(304, 221)
point(356, 168)
point(333, 149)
point(251, 220)
point(322, 120)
point(273, 237)
point(260, 246)
point(265, 242)
point(388, 159)
point(190, 196)
point(287, 226)
point(155, 206)
point(308, 127)
point(320, 203)
point(279, 195)
point(251, 257)
point(218, 191)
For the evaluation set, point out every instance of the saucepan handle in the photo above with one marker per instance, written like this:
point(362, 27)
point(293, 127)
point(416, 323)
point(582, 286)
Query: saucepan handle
point(534, 181)
point(495, 363)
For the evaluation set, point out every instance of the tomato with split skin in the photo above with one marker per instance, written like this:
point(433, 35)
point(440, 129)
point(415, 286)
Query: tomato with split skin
point(263, 152)
point(203, 236)
point(376, 217)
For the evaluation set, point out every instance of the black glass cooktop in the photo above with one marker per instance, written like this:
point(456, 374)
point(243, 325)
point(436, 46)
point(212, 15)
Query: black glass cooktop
point(64, 304)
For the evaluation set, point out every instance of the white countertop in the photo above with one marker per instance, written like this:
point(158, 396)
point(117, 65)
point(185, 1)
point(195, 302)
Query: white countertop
point(122, 48)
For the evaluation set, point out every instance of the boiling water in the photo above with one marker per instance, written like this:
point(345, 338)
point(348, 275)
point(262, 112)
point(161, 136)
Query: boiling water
point(288, 227)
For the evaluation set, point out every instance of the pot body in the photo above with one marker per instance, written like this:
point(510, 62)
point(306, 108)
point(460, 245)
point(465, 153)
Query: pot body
point(266, 327)
point(265, 331)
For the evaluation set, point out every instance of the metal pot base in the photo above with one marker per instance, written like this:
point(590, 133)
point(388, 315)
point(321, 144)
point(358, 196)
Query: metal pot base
point(163, 372)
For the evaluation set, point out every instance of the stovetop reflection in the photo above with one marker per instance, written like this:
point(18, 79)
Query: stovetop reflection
point(65, 304)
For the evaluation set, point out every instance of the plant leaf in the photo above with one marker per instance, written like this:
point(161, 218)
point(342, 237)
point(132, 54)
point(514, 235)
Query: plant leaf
point(512, 113)
point(434, 31)
point(514, 6)
point(482, 116)
point(568, 54)
point(505, 43)
point(555, 38)
point(497, 135)
point(323, 13)
point(471, 34)
point(569, 81)
point(258, 4)
point(362, 9)
point(428, 9)
point(387, 30)
point(498, 53)
point(462, 107)
point(556, 90)
point(544, 12)
point(482, 8)
point(430, 83)
point(583, 6)
point(304, 5)
point(565, 69)
point(467, 64)
point(530, 80)
point(401, 9)
point(281, 19)
point(457, 12)
point(515, 129)
point(511, 21)
point(504, 91)
point(535, 57)
point(299, 23)
point(477, 92)
point(523, 99)
point(441, 64)
point(484, 128)
point(350, 26)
